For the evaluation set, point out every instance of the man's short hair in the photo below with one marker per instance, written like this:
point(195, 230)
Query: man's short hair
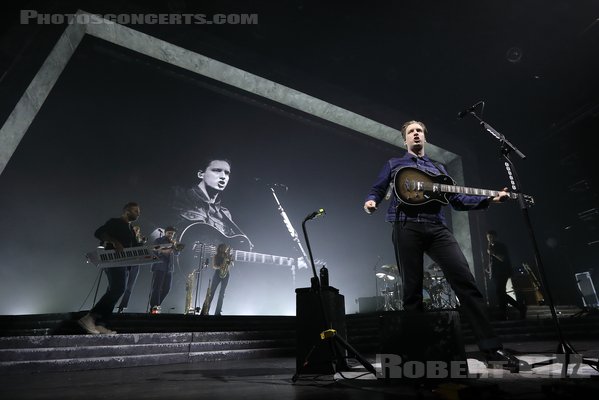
point(170, 229)
point(492, 232)
point(405, 126)
point(208, 161)
point(130, 205)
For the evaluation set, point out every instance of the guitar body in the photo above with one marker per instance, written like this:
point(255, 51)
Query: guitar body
point(414, 187)
point(211, 248)
point(203, 241)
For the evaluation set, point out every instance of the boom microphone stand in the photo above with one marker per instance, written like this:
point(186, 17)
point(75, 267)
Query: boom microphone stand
point(564, 347)
point(290, 229)
point(329, 334)
point(203, 264)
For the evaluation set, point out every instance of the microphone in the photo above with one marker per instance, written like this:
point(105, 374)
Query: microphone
point(315, 214)
point(279, 185)
point(465, 112)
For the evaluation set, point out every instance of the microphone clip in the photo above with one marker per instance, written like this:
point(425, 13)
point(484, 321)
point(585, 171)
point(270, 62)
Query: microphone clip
point(467, 111)
point(320, 212)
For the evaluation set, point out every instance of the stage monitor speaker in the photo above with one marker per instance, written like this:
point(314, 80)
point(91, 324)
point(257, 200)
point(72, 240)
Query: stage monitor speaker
point(423, 339)
point(310, 324)
point(587, 289)
point(370, 304)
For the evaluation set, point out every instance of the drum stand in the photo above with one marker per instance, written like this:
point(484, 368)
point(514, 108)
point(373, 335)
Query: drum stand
point(388, 296)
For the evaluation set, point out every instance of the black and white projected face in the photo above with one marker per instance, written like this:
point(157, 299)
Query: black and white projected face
point(184, 119)
point(216, 175)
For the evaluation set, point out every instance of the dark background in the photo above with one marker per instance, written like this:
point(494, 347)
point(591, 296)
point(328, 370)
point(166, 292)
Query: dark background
point(119, 126)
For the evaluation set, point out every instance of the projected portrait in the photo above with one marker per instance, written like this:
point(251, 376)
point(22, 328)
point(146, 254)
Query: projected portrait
point(208, 224)
point(216, 241)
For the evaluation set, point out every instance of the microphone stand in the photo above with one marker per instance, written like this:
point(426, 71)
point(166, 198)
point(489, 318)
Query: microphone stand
point(328, 333)
point(485, 273)
point(376, 281)
point(97, 287)
point(564, 347)
point(291, 231)
point(203, 264)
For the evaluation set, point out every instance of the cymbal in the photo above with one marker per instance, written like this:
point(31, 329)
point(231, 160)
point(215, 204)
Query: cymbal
point(390, 267)
point(383, 275)
point(433, 267)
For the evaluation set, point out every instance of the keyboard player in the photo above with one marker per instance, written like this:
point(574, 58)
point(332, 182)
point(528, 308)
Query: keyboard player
point(117, 234)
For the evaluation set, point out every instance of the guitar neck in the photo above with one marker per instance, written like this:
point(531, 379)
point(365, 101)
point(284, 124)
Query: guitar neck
point(466, 190)
point(259, 258)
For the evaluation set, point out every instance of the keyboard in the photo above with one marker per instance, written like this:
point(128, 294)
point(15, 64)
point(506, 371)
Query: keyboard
point(142, 255)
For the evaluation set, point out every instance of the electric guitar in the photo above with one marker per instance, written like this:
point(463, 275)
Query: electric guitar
point(206, 242)
point(414, 187)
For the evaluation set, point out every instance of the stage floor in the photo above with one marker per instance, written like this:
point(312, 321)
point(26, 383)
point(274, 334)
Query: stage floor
point(271, 378)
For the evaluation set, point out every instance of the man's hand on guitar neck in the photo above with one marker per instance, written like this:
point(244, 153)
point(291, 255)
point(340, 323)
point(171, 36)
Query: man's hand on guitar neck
point(502, 196)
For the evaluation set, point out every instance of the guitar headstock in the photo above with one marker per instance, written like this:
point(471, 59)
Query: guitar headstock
point(529, 200)
point(302, 263)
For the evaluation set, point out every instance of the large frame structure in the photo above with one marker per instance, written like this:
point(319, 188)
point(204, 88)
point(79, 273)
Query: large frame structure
point(83, 23)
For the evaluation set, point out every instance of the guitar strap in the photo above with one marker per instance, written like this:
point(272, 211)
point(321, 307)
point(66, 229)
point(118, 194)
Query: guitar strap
point(239, 229)
point(389, 190)
point(438, 166)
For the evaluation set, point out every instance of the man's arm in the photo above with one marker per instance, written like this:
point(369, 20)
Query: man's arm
point(103, 234)
point(493, 253)
point(498, 251)
point(465, 202)
point(379, 188)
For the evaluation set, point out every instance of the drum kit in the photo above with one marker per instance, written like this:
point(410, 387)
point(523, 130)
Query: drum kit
point(437, 293)
point(389, 274)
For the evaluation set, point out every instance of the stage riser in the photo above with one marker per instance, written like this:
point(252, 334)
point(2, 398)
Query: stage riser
point(369, 342)
point(363, 331)
point(66, 324)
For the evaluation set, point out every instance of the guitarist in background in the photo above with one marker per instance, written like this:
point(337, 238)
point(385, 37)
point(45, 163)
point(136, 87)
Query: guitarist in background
point(421, 229)
point(500, 270)
point(200, 210)
point(162, 272)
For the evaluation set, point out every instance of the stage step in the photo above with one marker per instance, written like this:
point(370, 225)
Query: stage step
point(82, 352)
point(66, 324)
point(55, 341)
point(120, 361)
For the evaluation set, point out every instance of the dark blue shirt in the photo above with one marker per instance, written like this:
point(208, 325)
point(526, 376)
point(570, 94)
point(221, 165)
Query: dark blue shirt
point(428, 213)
